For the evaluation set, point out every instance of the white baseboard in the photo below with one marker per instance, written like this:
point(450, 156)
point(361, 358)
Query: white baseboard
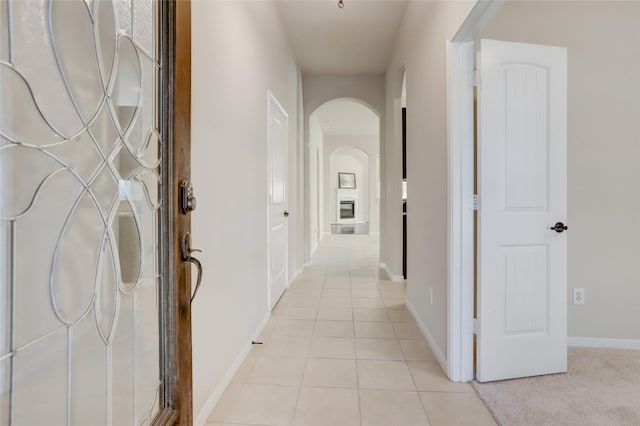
point(442, 360)
point(205, 412)
point(594, 342)
point(394, 278)
point(295, 275)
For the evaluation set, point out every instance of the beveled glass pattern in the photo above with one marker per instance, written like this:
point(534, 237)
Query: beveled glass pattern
point(79, 212)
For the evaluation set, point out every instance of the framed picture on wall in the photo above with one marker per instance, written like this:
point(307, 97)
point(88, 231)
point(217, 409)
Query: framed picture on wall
point(347, 180)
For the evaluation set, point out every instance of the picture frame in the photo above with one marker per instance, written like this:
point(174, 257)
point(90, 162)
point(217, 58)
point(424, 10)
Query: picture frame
point(346, 180)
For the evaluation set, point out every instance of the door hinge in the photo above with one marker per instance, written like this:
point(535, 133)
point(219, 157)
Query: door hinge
point(475, 78)
point(475, 199)
point(476, 326)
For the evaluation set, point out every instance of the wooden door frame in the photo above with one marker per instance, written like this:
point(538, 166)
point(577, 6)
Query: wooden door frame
point(176, 358)
point(460, 150)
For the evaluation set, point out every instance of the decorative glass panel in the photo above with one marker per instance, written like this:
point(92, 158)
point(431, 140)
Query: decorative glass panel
point(39, 388)
point(121, 359)
point(143, 25)
point(32, 54)
point(5, 293)
point(79, 208)
point(4, 47)
point(5, 386)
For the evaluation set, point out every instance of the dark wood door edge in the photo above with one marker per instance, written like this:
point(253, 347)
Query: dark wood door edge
point(182, 170)
point(177, 398)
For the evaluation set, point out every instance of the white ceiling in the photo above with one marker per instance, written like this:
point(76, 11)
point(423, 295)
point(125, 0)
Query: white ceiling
point(357, 39)
point(343, 117)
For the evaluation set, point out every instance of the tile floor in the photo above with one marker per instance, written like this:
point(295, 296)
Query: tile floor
point(341, 349)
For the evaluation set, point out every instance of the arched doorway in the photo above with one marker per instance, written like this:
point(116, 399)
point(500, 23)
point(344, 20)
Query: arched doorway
point(343, 133)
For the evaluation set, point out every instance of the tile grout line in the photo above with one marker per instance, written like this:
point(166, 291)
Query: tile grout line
point(353, 270)
point(424, 408)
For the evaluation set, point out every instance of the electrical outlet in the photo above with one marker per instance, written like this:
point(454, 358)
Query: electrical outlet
point(578, 296)
point(430, 297)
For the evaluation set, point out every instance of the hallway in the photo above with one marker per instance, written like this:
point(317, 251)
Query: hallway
point(342, 349)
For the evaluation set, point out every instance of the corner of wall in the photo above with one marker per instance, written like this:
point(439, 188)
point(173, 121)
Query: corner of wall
point(442, 360)
point(203, 415)
point(390, 274)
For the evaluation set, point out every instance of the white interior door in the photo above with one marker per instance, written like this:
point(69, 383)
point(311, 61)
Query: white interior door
point(522, 263)
point(277, 169)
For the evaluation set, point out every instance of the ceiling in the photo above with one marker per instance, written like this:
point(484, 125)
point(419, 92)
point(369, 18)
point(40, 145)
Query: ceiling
point(357, 39)
point(344, 117)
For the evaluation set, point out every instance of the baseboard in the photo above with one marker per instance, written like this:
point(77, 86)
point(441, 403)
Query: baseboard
point(394, 278)
point(205, 412)
point(295, 275)
point(442, 360)
point(594, 342)
point(374, 233)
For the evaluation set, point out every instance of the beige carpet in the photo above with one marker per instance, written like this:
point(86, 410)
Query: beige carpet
point(602, 388)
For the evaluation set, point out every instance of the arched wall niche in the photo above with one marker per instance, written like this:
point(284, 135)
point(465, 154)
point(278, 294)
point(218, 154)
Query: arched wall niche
point(348, 159)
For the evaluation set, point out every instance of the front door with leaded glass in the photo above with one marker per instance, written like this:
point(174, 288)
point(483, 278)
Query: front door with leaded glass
point(80, 211)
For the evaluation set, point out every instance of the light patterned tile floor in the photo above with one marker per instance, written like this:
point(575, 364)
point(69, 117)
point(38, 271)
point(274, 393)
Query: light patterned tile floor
point(342, 349)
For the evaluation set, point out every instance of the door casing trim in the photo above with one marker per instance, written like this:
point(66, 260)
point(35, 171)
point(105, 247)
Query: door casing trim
point(460, 226)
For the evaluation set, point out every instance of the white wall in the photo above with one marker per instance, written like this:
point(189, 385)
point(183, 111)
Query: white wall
point(319, 90)
point(603, 43)
point(315, 145)
point(366, 144)
point(421, 50)
point(297, 242)
point(239, 52)
point(391, 190)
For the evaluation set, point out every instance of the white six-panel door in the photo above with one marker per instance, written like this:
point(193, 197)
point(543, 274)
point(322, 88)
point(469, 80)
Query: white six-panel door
point(522, 162)
point(277, 169)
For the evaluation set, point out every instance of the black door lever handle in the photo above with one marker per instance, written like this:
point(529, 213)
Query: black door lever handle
point(559, 227)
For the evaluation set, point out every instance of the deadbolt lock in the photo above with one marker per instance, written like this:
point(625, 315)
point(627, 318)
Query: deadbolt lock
point(187, 199)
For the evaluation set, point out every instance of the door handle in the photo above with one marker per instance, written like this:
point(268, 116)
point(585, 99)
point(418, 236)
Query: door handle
point(199, 279)
point(286, 213)
point(186, 256)
point(559, 227)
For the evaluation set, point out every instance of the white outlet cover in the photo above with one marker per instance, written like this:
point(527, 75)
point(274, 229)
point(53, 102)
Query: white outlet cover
point(578, 296)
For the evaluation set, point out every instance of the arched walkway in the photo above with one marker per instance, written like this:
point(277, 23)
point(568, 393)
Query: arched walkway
point(344, 137)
